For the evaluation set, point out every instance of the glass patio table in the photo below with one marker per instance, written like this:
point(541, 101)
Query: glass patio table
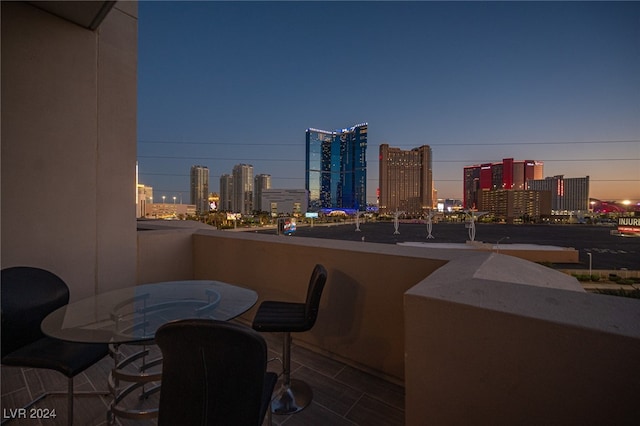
point(131, 316)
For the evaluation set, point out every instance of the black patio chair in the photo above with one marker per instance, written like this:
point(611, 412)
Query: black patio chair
point(213, 373)
point(28, 296)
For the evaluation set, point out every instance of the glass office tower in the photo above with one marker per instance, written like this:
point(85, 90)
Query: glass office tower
point(336, 168)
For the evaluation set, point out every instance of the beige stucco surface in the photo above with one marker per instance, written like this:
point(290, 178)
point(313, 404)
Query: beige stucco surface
point(481, 349)
point(68, 146)
point(361, 312)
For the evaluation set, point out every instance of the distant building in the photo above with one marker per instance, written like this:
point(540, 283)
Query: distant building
point(242, 198)
point(568, 195)
point(170, 210)
point(145, 197)
point(406, 180)
point(336, 168)
point(199, 188)
point(261, 182)
point(448, 205)
point(226, 192)
point(515, 204)
point(291, 202)
point(508, 174)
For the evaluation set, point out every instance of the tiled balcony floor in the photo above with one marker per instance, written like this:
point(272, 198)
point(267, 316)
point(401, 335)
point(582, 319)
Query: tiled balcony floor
point(343, 395)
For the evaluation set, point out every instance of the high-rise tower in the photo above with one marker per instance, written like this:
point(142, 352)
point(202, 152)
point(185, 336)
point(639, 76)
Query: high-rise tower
point(261, 182)
point(406, 179)
point(199, 188)
point(508, 174)
point(567, 194)
point(242, 198)
point(226, 192)
point(336, 168)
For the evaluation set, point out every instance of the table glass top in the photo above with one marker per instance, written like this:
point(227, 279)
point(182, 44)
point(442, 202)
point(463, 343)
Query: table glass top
point(133, 314)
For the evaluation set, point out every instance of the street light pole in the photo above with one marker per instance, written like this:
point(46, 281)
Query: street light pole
point(498, 243)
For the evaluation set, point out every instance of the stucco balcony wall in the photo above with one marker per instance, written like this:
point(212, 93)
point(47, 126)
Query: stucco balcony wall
point(481, 349)
point(361, 312)
point(165, 250)
point(165, 255)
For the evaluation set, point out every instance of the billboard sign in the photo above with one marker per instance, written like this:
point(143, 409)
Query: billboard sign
point(629, 225)
point(286, 225)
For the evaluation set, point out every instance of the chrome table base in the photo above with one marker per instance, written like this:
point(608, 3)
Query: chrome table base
point(139, 378)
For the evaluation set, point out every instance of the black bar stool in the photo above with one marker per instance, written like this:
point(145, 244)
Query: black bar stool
point(287, 317)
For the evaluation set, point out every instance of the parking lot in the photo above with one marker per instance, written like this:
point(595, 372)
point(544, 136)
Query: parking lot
point(607, 251)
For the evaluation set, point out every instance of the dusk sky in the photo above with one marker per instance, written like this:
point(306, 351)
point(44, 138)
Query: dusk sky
point(222, 83)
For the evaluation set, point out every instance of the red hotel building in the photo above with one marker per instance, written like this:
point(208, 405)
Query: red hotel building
point(508, 174)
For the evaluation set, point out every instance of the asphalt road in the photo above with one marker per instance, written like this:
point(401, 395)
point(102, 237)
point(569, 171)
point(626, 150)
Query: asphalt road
point(608, 251)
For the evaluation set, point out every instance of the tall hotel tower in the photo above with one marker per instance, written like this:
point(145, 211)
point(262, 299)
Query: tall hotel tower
point(200, 188)
point(261, 182)
point(406, 180)
point(509, 174)
point(336, 168)
point(226, 192)
point(567, 194)
point(242, 191)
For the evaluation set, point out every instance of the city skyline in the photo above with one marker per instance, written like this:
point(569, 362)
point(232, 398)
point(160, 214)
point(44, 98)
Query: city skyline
point(239, 82)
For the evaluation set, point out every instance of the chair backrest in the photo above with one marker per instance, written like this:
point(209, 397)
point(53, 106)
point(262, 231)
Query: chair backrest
point(212, 373)
point(28, 296)
point(314, 294)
